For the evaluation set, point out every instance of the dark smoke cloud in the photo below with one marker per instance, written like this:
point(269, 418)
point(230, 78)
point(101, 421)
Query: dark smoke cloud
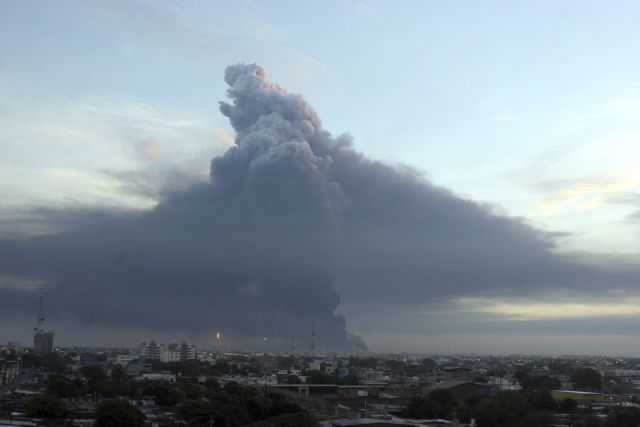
point(291, 219)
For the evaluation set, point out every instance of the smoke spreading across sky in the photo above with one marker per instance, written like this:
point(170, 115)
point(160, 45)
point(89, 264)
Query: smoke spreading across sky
point(292, 222)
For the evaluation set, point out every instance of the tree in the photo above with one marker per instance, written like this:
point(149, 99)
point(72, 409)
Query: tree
point(256, 404)
point(293, 379)
point(628, 417)
point(95, 378)
point(188, 368)
point(541, 400)
point(285, 362)
point(280, 407)
point(559, 366)
point(61, 387)
point(197, 412)
point(568, 405)
point(237, 405)
point(348, 380)
point(92, 371)
point(537, 419)
point(125, 387)
point(118, 413)
point(192, 391)
point(541, 382)
point(505, 409)
point(51, 362)
point(522, 377)
point(317, 377)
point(119, 373)
point(212, 385)
point(428, 364)
point(443, 397)
point(591, 420)
point(437, 404)
point(164, 394)
point(46, 406)
point(298, 419)
point(586, 378)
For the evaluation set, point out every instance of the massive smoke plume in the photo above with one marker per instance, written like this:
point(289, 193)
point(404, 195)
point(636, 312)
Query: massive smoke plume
point(291, 219)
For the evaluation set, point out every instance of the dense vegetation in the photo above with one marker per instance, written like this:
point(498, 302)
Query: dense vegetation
point(237, 405)
point(528, 408)
point(46, 406)
point(198, 404)
point(586, 379)
point(234, 405)
point(118, 413)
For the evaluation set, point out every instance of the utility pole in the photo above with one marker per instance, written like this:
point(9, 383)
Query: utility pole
point(364, 393)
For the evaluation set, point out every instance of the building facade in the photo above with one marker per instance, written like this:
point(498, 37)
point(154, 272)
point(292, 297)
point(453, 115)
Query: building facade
point(168, 352)
point(43, 342)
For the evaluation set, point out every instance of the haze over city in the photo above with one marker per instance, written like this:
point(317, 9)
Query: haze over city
point(420, 177)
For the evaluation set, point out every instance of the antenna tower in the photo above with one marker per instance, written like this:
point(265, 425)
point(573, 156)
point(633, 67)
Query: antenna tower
point(313, 338)
point(40, 318)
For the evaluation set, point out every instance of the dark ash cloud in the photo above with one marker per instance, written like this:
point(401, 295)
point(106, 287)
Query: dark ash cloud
point(291, 221)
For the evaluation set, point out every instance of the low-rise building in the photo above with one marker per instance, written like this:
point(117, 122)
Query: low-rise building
point(503, 384)
point(125, 359)
point(156, 376)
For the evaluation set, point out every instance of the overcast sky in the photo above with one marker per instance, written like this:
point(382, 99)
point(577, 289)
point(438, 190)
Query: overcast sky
point(489, 199)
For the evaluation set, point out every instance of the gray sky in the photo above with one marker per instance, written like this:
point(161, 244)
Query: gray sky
point(487, 200)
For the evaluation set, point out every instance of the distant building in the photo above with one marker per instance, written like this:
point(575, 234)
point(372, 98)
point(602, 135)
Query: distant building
point(624, 375)
point(9, 371)
point(503, 384)
point(125, 359)
point(14, 346)
point(372, 375)
point(154, 376)
point(316, 364)
point(177, 352)
point(87, 358)
point(137, 368)
point(42, 341)
point(149, 351)
point(167, 352)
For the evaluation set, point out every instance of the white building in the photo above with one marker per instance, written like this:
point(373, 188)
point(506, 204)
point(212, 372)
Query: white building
point(627, 375)
point(168, 352)
point(124, 359)
point(149, 351)
point(316, 364)
point(372, 376)
point(14, 346)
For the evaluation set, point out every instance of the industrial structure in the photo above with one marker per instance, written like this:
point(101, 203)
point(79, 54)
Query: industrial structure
point(42, 341)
